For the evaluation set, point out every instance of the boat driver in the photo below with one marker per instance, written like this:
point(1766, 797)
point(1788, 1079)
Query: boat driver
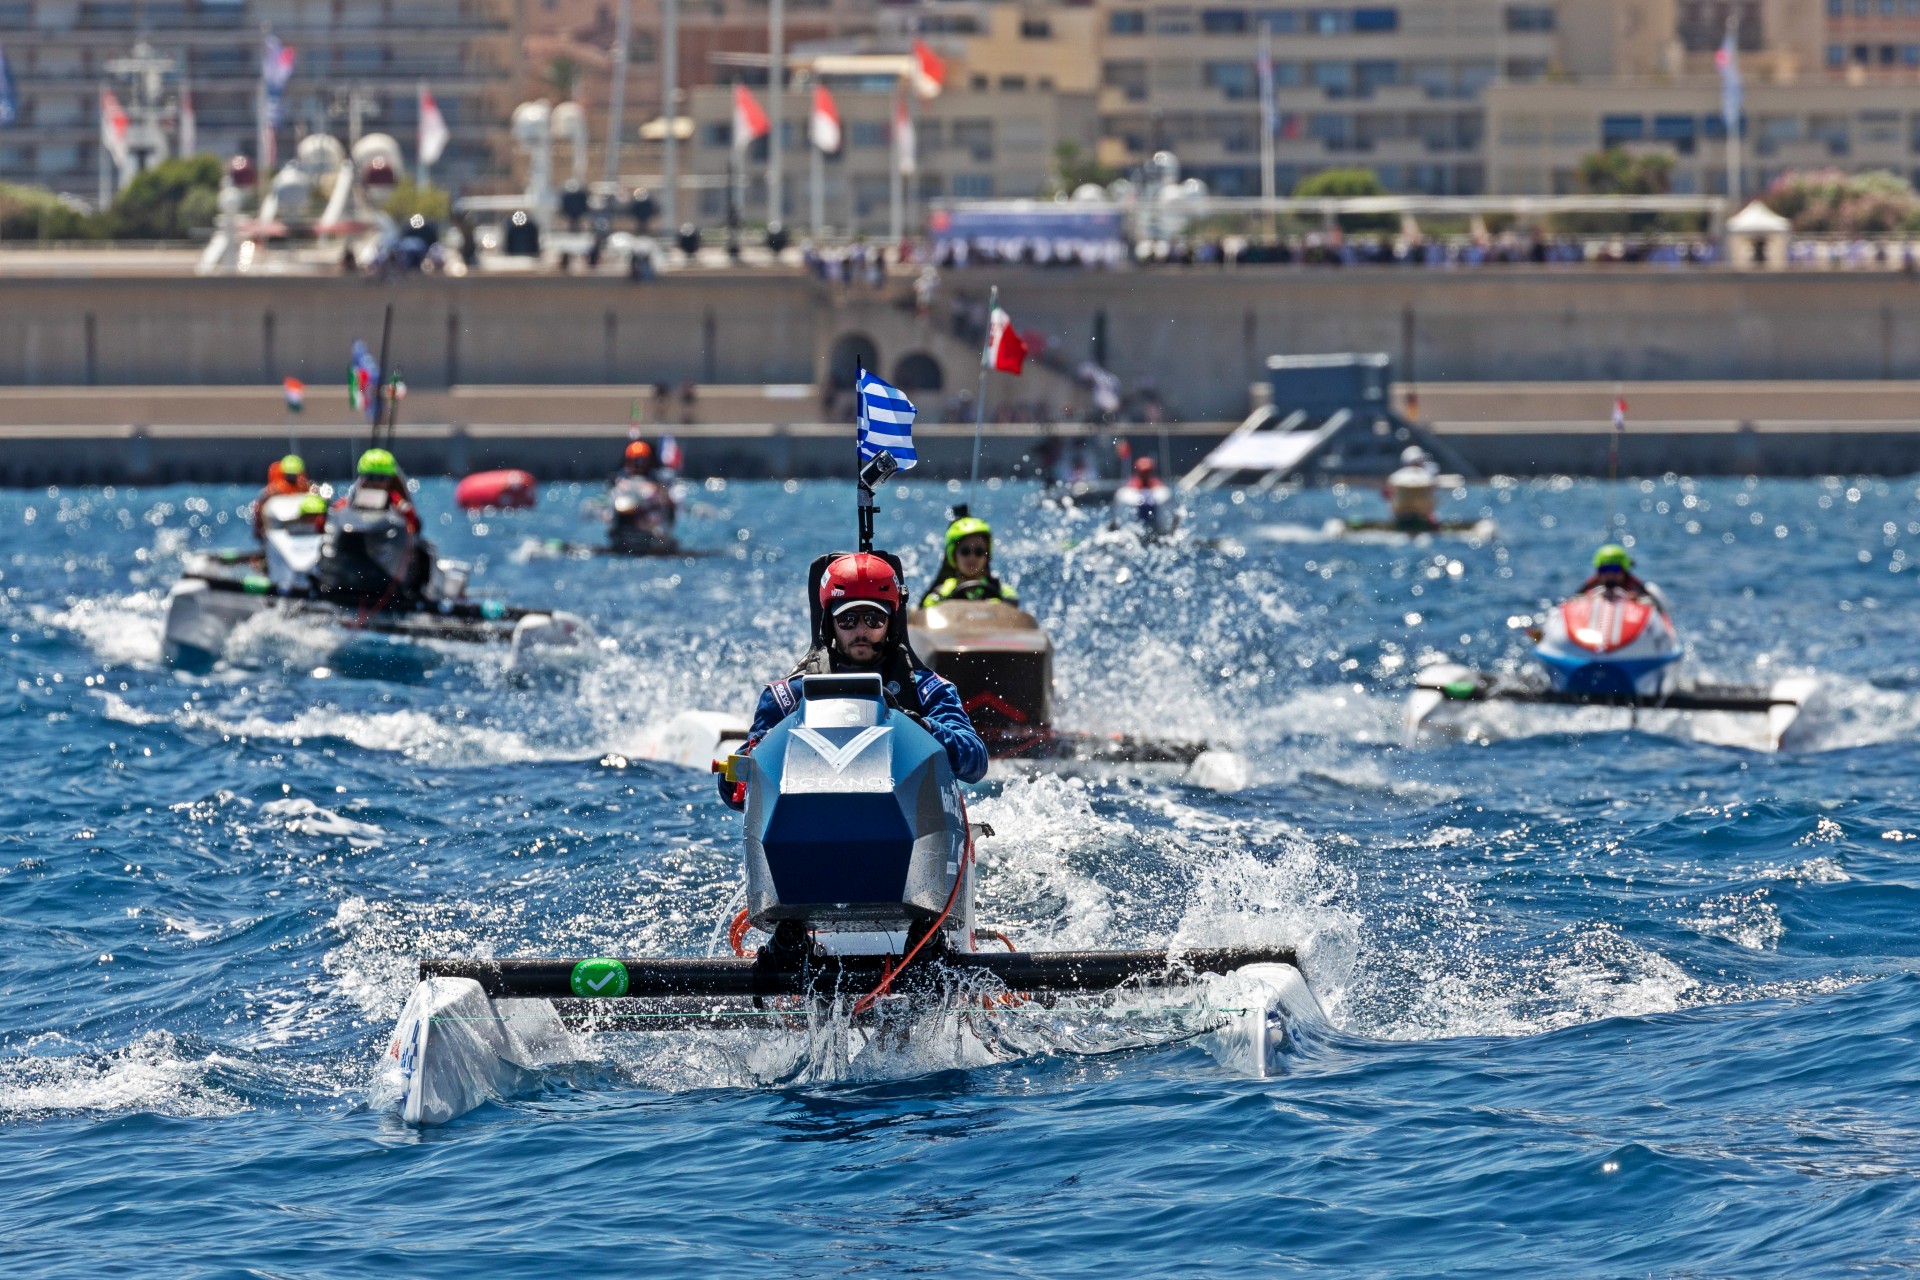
point(378, 470)
point(860, 596)
point(639, 461)
point(1613, 571)
point(966, 570)
point(1410, 490)
point(284, 475)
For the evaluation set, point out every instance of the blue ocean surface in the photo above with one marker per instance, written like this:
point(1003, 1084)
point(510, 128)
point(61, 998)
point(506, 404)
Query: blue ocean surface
point(1603, 995)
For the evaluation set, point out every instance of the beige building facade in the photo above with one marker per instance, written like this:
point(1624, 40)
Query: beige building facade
point(58, 50)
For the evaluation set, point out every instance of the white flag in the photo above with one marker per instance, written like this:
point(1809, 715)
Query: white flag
point(433, 128)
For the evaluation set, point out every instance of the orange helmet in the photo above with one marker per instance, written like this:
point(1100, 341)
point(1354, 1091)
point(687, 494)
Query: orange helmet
point(1144, 467)
point(863, 578)
point(639, 451)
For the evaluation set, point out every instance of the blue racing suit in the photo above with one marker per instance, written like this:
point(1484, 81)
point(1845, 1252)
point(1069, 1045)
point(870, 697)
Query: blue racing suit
point(941, 713)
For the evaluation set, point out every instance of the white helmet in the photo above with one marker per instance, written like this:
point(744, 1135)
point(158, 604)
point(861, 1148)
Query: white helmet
point(1412, 456)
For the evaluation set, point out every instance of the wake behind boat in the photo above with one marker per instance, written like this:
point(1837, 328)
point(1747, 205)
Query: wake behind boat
point(860, 868)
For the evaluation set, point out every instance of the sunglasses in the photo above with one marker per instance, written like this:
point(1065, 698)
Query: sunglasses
point(970, 550)
point(859, 619)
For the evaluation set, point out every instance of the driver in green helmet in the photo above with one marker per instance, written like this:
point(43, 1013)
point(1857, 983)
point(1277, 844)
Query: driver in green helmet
point(966, 570)
point(1613, 571)
point(378, 474)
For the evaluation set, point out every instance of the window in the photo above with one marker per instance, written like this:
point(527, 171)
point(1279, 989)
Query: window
point(1172, 22)
point(1886, 8)
point(1128, 77)
point(871, 134)
point(1881, 127)
point(1377, 20)
point(1036, 29)
point(1615, 130)
point(975, 136)
point(1335, 79)
point(1235, 80)
point(1327, 22)
point(1859, 8)
point(1836, 56)
point(717, 133)
point(973, 185)
point(1013, 84)
point(1378, 74)
point(1676, 131)
point(1910, 54)
point(1529, 18)
point(1126, 22)
point(1836, 8)
point(1223, 22)
point(1286, 22)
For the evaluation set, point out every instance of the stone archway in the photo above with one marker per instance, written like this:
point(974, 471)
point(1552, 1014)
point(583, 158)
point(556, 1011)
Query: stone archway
point(850, 350)
point(918, 371)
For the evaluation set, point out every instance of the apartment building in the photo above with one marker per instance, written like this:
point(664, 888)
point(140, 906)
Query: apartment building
point(467, 50)
point(1394, 87)
point(1827, 84)
point(1019, 82)
point(573, 41)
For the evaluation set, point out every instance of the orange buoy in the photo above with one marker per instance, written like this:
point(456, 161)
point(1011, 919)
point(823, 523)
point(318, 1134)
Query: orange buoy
point(506, 490)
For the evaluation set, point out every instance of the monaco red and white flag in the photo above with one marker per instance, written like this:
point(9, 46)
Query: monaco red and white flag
point(189, 124)
point(1005, 351)
point(433, 128)
point(1619, 413)
point(929, 72)
point(824, 128)
point(749, 120)
point(113, 127)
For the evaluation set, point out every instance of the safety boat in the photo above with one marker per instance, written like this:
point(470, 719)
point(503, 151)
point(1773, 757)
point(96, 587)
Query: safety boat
point(1607, 647)
point(860, 868)
point(359, 569)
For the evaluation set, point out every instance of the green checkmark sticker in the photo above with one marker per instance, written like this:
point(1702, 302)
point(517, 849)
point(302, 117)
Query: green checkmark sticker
point(599, 979)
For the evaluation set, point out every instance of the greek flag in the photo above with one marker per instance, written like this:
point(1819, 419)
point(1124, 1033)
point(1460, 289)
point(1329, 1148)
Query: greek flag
point(886, 421)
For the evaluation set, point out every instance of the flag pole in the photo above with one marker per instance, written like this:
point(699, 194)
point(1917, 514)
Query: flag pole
point(859, 473)
point(980, 400)
point(1613, 456)
point(386, 340)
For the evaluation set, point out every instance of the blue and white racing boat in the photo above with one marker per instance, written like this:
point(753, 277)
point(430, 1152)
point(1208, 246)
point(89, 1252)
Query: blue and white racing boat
point(859, 868)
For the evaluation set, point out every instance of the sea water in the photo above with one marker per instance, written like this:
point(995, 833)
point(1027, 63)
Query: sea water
point(1603, 996)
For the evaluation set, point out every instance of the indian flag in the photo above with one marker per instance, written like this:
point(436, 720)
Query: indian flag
point(296, 394)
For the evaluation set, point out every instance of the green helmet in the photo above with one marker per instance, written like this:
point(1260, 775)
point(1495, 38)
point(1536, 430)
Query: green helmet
point(967, 527)
point(312, 504)
point(378, 462)
point(293, 465)
point(1613, 555)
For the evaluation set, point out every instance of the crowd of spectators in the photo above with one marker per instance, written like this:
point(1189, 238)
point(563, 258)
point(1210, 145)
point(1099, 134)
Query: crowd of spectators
point(1332, 249)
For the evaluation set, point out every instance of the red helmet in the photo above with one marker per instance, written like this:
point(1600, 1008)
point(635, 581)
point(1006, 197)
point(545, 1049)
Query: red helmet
point(862, 577)
point(1144, 466)
point(639, 449)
